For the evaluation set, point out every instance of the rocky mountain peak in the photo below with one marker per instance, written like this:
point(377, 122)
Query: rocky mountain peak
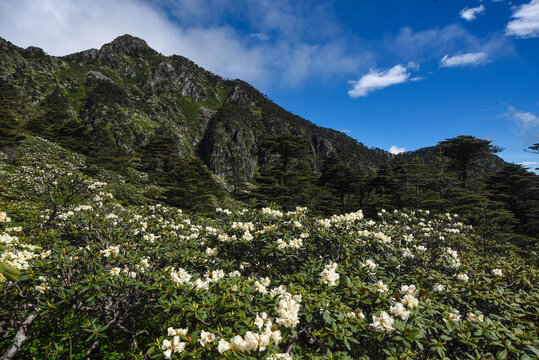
point(129, 45)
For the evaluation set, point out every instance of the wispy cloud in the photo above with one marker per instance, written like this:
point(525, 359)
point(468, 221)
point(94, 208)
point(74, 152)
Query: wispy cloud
point(527, 124)
point(378, 79)
point(524, 119)
point(468, 59)
point(396, 150)
point(530, 164)
point(432, 44)
point(525, 21)
point(470, 14)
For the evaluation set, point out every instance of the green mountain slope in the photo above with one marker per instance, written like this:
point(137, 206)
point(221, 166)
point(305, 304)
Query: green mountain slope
point(112, 102)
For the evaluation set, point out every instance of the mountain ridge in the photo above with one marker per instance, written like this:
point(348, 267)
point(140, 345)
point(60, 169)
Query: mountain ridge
point(131, 89)
point(130, 93)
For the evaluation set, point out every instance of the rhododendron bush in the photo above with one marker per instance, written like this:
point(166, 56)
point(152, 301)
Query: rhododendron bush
point(103, 280)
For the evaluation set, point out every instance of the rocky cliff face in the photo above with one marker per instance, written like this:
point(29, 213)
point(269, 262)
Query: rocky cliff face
point(129, 93)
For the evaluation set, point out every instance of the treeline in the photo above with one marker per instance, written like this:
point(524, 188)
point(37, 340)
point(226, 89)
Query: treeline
point(501, 204)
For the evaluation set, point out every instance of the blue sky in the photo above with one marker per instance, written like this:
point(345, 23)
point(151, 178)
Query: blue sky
point(393, 74)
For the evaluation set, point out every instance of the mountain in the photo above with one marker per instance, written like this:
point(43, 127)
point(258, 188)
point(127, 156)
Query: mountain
point(115, 102)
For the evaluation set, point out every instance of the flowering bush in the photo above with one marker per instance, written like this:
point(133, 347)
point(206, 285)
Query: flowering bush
point(105, 280)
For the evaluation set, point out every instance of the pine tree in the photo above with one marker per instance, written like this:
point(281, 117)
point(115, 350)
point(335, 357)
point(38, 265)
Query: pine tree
point(518, 191)
point(466, 153)
point(416, 185)
point(286, 177)
point(191, 185)
point(338, 179)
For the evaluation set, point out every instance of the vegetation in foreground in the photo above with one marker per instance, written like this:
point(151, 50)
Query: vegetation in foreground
point(103, 279)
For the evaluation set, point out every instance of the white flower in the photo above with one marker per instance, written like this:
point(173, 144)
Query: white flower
point(288, 311)
point(223, 346)
point(408, 289)
point(438, 287)
point(370, 264)
point(381, 286)
point(400, 311)
point(175, 346)
point(261, 319)
point(462, 277)
point(177, 332)
point(384, 322)
point(180, 277)
point(329, 274)
point(281, 356)
point(454, 315)
point(474, 317)
point(212, 252)
point(410, 301)
point(115, 271)
point(206, 338)
point(497, 272)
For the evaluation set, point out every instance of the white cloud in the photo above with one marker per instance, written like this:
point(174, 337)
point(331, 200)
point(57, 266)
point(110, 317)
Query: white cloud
point(285, 43)
point(470, 14)
point(396, 150)
point(530, 164)
point(434, 43)
point(468, 59)
point(526, 21)
point(526, 120)
point(527, 124)
point(378, 79)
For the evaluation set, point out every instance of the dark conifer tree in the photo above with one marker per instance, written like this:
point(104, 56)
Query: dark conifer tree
point(466, 153)
point(286, 177)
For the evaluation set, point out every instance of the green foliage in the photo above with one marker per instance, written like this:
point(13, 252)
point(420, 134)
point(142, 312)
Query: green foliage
point(286, 176)
point(118, 282)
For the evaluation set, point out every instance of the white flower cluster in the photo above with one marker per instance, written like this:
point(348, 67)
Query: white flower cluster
point(8, 240)
point(453, 315)
point(261, 285)
point(176, 345)
point(271, 212)
point(369, 264)
point(472, 317)
point(43, 286)
point(281, 356)
point(329, 274)
point(288, 310)
point(497, 272)
point(223, 211)
point(400, 311)
point(292, 244)
point(96, 184)
point(344, 218)
point(381, 287)
point(4, 218)
point(111, 250)
point(19, 258)
point(356, 314)
point(382, 323)
point(244, 226)
point(462, 277)
point(251, 341)
point(438, 287)
point(455, 261)
point(407, 253)
point(382, 237)
point(181, 276)
point(65, 215)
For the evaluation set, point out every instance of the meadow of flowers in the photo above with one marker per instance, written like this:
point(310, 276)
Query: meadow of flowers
point(102, 279)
